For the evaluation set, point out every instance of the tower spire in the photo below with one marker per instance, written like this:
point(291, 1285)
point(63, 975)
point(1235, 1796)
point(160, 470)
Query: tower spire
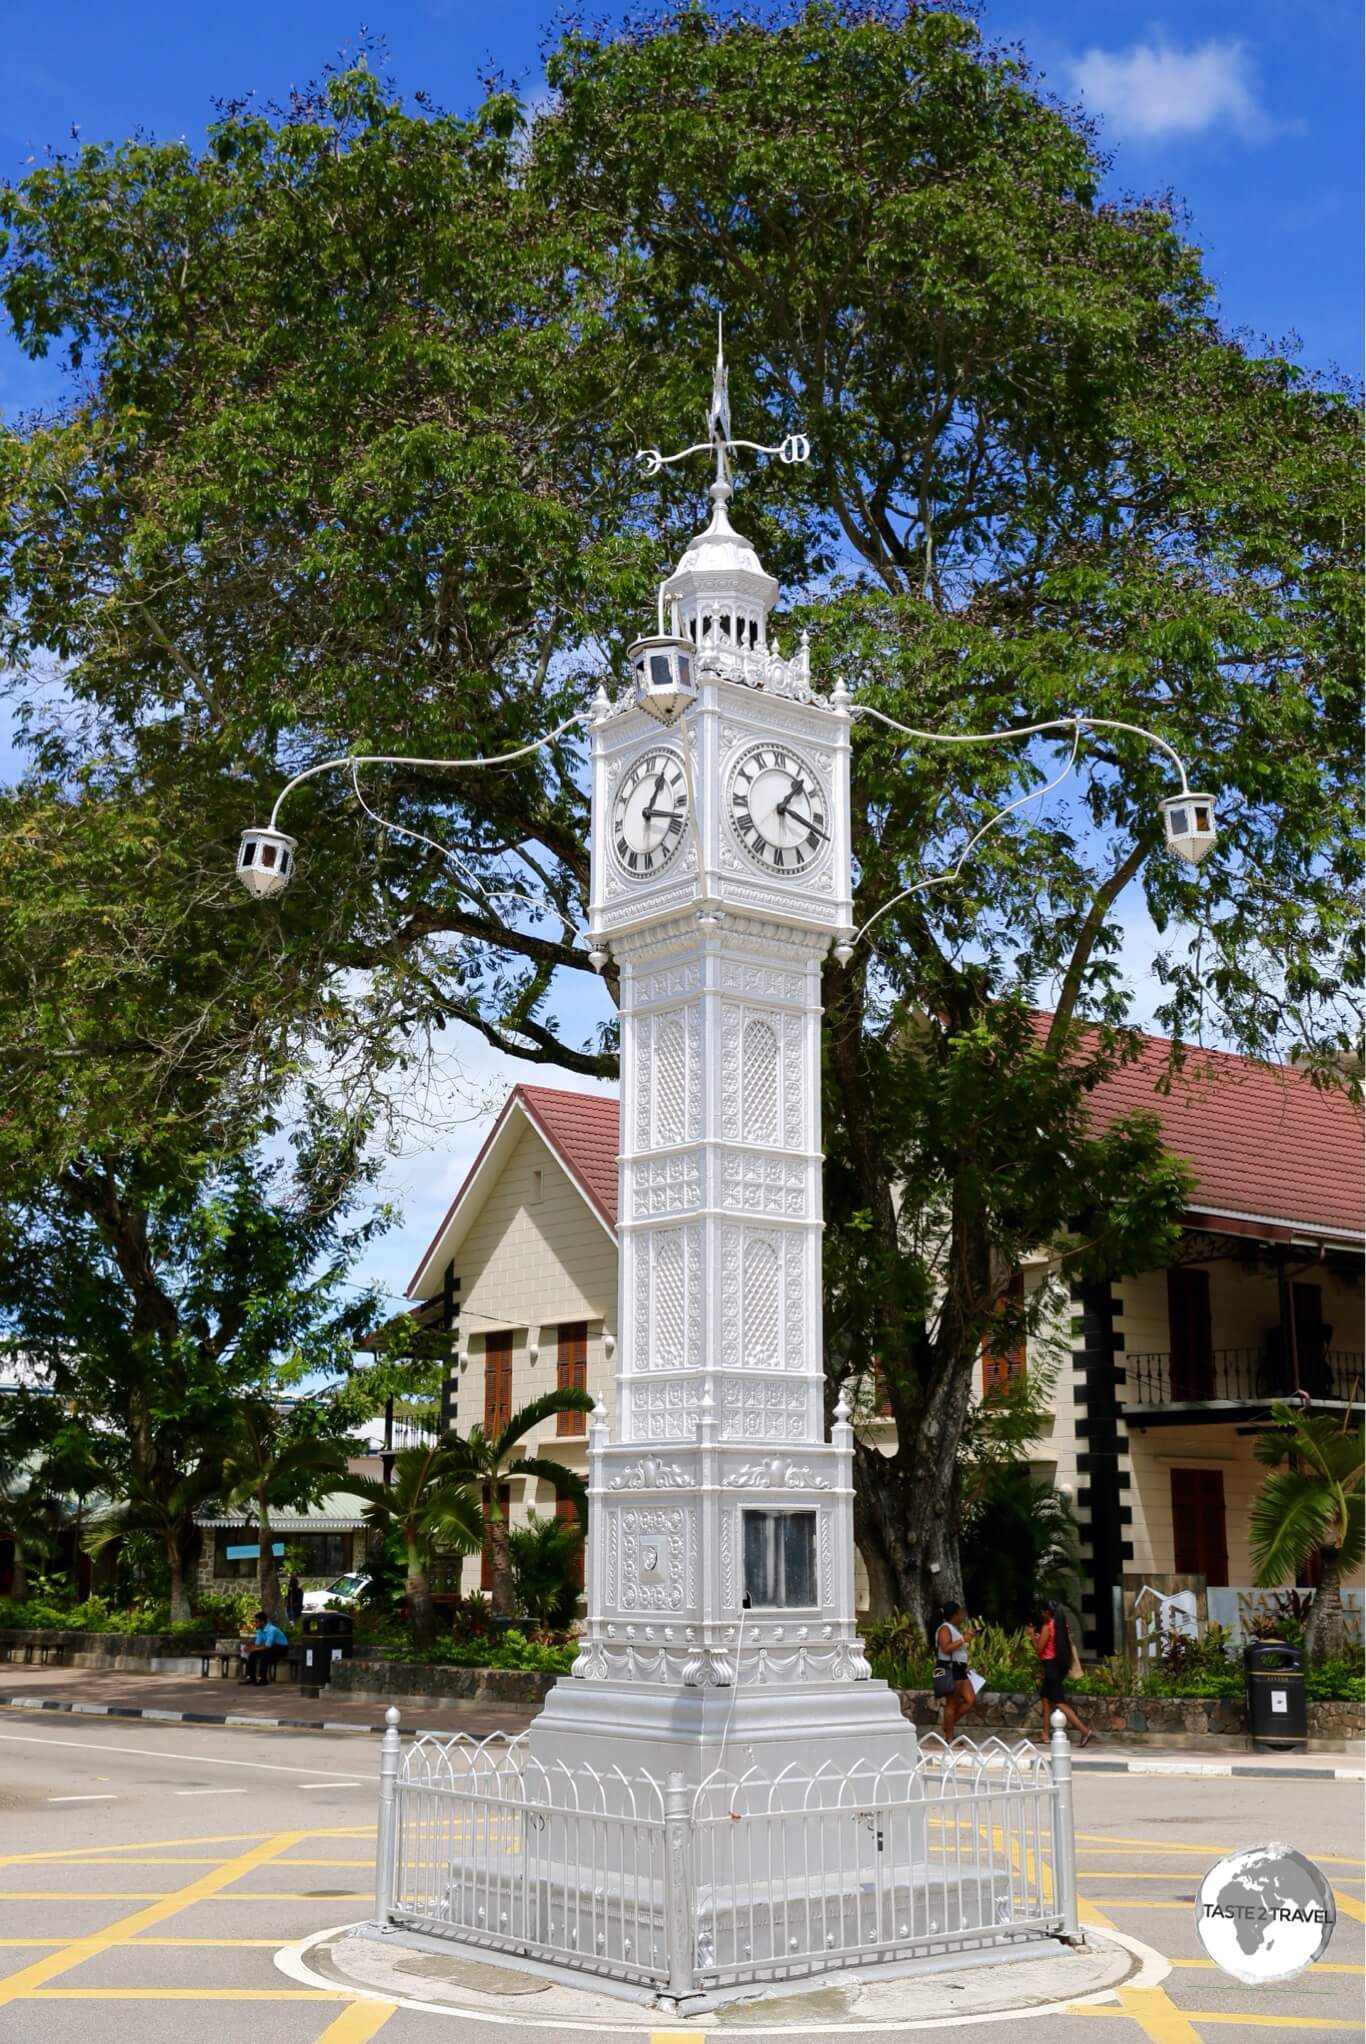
point(718, 416)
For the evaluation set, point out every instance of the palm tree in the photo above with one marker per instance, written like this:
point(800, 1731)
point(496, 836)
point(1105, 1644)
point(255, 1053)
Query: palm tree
point(26, 1514)
point(1313, 1506)
point(487, 1460)
point(146, 1508)
point(264, 1464)
point(430, 1507)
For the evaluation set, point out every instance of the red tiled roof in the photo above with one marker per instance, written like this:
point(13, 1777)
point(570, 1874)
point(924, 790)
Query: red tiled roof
point(584, 1131)
point(1265, 1142)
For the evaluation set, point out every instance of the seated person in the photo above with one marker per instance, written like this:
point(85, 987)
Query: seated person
point(269, 1641)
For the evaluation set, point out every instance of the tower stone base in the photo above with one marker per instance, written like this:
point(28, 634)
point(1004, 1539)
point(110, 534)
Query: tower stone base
point(640, 1728)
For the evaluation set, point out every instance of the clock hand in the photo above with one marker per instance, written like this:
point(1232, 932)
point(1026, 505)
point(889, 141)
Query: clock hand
point(799, 787)
point(648, 814)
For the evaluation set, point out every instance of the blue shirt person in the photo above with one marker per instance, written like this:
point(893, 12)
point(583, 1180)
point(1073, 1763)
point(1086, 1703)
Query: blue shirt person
point(267, 1644)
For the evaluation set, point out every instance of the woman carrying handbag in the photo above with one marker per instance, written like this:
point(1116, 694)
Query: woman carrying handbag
point(952, 1682)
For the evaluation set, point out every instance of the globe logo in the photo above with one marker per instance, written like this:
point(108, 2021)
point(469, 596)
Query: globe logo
point(1265, 1914)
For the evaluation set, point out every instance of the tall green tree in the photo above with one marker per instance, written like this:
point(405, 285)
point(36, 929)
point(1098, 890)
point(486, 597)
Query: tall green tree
point(1312, 1505)
point(147, 1294)
point(347, 463)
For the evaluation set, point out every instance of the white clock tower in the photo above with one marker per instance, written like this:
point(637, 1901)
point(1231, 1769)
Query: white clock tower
point(720, 1554)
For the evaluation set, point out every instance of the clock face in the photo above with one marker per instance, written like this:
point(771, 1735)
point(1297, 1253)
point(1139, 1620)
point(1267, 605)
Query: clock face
point(779, 809)
point(650, 813)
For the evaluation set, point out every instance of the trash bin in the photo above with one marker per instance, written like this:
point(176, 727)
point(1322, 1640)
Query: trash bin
point(327, 1638)
point(1276, 1715)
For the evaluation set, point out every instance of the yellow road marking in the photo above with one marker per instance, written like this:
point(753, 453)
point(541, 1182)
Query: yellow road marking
point(120, 1860)
point(363, 2019)
point(192, 1944)
point(1211, 1852)
point(183, 1994)
point(85, 1894)
point(1274, 2022)
point(18, 1986)
point(1157, 2015)
point(1350, 1906)
point(1189, 2017)
point(72, 1855)
point(1320, 1966)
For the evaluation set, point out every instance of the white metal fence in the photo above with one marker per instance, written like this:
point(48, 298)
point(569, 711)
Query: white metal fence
point(695, 1890)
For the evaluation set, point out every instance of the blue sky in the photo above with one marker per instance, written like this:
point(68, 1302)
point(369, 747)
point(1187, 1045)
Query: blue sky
point(1249, 112)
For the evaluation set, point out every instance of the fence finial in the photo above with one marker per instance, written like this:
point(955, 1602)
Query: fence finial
point(1064, 1838)
point(386, 1838)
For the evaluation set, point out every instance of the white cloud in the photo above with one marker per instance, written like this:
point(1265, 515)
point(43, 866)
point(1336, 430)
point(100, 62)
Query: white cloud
point(1153, 90)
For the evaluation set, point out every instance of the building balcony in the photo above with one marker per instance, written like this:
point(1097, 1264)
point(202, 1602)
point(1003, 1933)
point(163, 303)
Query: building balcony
point(1171, 1388)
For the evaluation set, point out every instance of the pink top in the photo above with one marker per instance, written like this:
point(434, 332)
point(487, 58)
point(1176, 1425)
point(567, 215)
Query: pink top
point(1047, 1649)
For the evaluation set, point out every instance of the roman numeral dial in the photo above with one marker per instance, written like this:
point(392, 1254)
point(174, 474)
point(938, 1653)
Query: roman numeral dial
point(649, 816)
point(779, 808)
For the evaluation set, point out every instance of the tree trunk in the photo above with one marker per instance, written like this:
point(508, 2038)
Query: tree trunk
point(421, 1611)
point(18, 1588)
point(500, 1561)
point(905, 1523)
point(267, 1575)
point(1325, 1635)
point(180, 1596)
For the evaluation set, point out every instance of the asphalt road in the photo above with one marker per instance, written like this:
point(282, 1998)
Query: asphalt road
point(149, 1873)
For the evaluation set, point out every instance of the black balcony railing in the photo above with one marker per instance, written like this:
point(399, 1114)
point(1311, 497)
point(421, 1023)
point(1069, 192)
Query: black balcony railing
point(1242, 1376)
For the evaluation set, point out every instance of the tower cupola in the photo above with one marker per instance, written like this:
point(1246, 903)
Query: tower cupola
point(720, 593)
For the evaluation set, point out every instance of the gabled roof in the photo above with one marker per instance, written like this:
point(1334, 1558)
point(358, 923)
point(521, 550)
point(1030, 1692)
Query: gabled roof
point(580, 1130)
point(1268, 1146)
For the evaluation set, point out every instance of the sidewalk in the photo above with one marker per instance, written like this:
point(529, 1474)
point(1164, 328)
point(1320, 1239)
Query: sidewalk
point(191, 1700)
point(97, 1692)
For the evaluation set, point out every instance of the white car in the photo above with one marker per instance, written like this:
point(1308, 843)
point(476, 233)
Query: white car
point(347, 1590)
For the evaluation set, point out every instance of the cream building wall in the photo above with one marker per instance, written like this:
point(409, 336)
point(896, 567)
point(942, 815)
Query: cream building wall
point(535, 1257)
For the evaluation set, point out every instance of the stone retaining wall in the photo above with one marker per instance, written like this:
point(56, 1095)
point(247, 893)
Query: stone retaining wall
point(1132, 1720)
point(153, 1653)
point(420, 1682)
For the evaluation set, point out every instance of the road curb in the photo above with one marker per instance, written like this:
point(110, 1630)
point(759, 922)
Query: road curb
point(237, 1721)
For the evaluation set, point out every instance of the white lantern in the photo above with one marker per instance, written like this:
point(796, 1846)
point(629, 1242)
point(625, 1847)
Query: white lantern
point(662, 668)
point(265, 860)
point(1190, 826)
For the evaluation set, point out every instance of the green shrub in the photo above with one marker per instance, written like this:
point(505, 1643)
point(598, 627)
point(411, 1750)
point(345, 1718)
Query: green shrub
point(545, 1555)
point(512, 1650)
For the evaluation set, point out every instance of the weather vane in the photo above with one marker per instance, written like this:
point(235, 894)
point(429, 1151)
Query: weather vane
point(796, 447)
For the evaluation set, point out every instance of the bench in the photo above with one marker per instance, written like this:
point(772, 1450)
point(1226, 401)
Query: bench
point(47, 1650)
point(231, 1656)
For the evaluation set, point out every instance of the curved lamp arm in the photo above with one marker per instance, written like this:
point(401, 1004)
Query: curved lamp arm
point(360, 759)
point(1189, 843)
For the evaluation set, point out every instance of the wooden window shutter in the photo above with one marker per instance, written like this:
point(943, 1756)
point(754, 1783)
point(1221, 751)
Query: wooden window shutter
point(571, 1374)
point(497, 1381)
point(1004, 1357)
point(1188, 1320)
point(565, 1508)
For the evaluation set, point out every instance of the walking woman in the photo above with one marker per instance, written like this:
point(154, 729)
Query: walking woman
point(1053, 1645)
point(951, 1681)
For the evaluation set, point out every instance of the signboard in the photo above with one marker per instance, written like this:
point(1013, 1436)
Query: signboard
point(277, 1548)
